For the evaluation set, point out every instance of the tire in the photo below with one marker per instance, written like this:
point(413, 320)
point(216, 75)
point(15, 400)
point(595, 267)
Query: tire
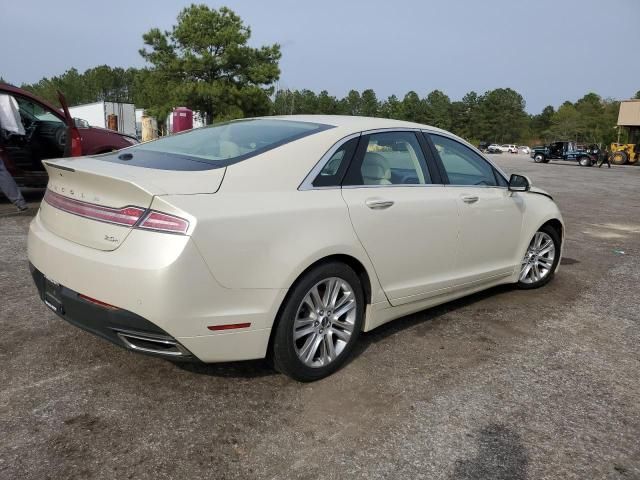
point(539, 158)
point(305, 313)
point(527, 280)
point(619, 158)
point(585, 162)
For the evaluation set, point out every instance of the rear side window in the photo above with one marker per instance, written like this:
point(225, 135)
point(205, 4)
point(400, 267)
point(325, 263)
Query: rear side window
point(218, 145)
point(333, 171)
point(389, 158)
point(462, 165)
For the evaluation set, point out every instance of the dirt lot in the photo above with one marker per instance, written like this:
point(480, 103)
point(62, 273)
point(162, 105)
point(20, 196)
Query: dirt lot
point(506, 384)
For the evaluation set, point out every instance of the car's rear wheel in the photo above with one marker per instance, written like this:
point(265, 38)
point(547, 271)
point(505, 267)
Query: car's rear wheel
point(541, 259)
point(539, 158)
point(585, 161)
point(320, 323)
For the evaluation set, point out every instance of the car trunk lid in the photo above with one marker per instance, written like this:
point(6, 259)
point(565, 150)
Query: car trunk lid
point(95, 203)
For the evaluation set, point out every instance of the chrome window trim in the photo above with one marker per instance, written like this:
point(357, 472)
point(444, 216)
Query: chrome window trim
point(390, 130)
point(307, 183)
point(455, 138)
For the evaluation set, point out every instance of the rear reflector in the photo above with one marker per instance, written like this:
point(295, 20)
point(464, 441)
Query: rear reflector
point(164, 222)
point(229, 326)
point(97, 302)
point(127, 216)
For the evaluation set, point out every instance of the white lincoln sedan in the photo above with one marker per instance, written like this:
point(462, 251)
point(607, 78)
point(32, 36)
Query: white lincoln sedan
point(282, 237)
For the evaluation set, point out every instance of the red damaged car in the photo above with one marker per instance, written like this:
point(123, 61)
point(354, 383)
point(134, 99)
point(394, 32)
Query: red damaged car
point(49, 132)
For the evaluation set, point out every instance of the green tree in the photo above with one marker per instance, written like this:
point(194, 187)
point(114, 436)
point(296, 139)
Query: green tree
point(369, 105)
point(283, 102)
point(206, 63)
point(565, 124)
point(305, 101)
point(541, 123)
point(438, 110)
point(463, 117)
point(637, 96)
point(391, 108)
point(352, 103)
point(412, 108)
point(591, 117)
point(501, 116)
point(327, 104)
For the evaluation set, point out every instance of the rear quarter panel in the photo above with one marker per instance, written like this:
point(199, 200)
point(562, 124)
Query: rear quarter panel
point(267, 239)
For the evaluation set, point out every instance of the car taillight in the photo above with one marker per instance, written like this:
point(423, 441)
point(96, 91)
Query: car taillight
point(164, 222)
point(76, 143)
point(127, 216)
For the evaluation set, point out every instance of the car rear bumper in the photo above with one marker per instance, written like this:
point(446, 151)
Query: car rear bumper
point(116, 325)
point(161, 286)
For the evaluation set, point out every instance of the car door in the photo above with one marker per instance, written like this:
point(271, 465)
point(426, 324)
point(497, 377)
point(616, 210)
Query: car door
point(407, 223)
point(490, 215)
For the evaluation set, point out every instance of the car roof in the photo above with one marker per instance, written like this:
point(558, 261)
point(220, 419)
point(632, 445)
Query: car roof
point(357, 124)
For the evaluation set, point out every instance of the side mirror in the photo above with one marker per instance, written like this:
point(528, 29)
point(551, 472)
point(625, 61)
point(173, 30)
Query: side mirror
point(519, 183)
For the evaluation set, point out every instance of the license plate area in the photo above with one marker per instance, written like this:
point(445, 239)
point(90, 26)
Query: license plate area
point(52, 297)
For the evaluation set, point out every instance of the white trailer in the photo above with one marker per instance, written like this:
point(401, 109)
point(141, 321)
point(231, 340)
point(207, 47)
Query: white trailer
point(96, 115)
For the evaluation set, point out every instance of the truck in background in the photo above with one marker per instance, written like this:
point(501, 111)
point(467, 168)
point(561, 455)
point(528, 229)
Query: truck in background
point(563, 151)
point(120, 117)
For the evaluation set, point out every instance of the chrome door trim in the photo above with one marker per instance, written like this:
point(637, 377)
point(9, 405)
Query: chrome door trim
point(397, 185)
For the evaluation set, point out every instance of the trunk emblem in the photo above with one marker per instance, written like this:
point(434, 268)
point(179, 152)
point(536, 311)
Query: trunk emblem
point(111, 238)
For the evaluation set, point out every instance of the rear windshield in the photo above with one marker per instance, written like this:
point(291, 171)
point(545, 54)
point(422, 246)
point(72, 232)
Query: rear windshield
point(216, 146)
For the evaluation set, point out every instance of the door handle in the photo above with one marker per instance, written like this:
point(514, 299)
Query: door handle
point(377, 204)
point(470, 198)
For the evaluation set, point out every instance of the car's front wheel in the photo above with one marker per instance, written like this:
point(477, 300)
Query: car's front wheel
point(538, 158)
point(320, 323)
point(541, 259)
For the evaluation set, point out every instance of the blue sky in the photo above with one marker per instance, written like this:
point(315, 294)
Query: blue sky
point(548, 50)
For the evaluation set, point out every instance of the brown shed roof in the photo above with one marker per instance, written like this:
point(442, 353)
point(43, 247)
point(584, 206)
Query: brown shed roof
point(629, 115)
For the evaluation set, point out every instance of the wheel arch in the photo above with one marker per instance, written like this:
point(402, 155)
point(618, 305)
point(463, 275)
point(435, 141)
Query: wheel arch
point(556, 225)
point(351, 261)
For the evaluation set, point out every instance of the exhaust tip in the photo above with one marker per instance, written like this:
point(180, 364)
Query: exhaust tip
point(154, 344)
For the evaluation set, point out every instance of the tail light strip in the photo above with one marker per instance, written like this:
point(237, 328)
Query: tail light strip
point(126, 216)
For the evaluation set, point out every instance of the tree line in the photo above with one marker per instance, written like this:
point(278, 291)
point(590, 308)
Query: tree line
point(205, 63)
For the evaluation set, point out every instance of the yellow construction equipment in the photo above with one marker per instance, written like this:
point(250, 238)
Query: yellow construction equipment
point(629, 120)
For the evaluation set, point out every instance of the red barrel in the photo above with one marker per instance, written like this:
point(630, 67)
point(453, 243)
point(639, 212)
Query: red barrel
point(182, 119)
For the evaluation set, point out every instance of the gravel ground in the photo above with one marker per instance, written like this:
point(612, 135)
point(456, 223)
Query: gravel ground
point(506, 384)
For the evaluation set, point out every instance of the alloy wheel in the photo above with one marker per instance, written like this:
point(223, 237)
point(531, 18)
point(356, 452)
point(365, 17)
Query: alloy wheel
point(538, 261)
point(324, 322)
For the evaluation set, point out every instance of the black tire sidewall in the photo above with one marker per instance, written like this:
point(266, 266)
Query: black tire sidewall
point(557, 242)
point(285, 359)
point(538, 158)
